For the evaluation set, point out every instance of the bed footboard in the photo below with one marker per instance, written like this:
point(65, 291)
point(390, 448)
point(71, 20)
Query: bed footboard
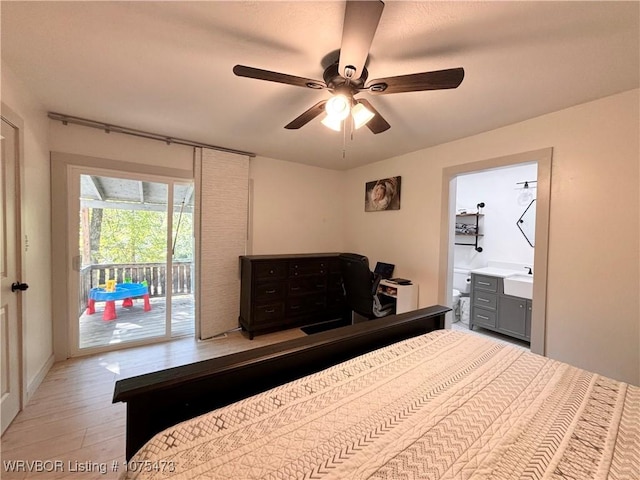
point(158, 400)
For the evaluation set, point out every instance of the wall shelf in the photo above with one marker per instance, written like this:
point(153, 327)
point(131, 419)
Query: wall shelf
point(474, 228)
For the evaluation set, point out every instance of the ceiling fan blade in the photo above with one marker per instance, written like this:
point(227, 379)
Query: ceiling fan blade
point(377, 124)
point(416, 82)
point(361, 20)
point(307, 116)
point(269, 76)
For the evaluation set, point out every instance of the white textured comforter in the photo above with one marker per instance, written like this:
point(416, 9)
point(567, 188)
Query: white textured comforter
point(446, 405)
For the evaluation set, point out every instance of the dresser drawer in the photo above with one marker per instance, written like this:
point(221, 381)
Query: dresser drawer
point(264, 270)
point(299, 268)
point(335, 299)
point(335, 282)
point(485, 300)
point(268, 313)
point(305, 304)
point(482, 282)
point(267, 291)
point(484, 318)
point(304, 285)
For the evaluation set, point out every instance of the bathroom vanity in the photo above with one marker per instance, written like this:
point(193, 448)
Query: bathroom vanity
point(493, 309)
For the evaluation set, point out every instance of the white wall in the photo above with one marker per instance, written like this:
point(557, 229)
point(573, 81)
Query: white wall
point(36, 227)
point(295, 208)
point(115, 146)
point(502, 240)
point(594, 256)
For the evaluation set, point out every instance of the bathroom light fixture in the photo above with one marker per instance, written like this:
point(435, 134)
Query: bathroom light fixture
point(526, 195)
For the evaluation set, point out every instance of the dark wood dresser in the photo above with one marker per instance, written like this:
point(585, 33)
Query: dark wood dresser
point(286, 291)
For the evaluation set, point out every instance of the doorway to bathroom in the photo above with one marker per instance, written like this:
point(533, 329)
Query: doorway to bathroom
point(495, 217)
point(494, 228)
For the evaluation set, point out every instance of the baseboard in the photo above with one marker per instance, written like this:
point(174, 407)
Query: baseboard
point(35, 383)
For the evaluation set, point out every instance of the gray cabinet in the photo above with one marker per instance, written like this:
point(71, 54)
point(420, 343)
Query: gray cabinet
point(493, 310)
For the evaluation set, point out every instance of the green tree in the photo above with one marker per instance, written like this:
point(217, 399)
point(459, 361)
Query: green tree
point(132, 236)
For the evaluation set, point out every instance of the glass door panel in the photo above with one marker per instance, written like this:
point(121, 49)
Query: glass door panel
point(182, 255)
point(124, 283)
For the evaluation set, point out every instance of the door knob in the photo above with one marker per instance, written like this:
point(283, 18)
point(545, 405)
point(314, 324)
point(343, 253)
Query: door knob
point(19, 286)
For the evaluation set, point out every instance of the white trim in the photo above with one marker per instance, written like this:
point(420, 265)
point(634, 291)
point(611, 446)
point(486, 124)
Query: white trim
point(40, 376)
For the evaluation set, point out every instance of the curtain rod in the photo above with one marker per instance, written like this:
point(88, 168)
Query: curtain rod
point(108, 128)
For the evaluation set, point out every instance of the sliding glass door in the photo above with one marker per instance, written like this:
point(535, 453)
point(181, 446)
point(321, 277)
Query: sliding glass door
point(133, 259)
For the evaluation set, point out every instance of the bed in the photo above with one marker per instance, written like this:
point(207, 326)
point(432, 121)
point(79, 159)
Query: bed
point(440, 405)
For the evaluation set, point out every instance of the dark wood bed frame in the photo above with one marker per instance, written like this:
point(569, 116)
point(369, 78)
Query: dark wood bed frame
point(158, 400)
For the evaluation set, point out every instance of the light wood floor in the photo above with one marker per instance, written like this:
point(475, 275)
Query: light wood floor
point(71, 419)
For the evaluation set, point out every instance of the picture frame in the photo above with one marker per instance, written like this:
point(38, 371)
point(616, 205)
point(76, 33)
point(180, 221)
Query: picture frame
point(383, 194)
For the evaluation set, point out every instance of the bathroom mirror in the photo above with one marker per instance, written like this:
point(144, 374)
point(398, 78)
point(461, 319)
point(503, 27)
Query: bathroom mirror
point(527, 223)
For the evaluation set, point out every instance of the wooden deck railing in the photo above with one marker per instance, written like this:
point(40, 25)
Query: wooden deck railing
point(155, 274)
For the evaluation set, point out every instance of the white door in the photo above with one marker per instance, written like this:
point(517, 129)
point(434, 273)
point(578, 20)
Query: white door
point(10, 355)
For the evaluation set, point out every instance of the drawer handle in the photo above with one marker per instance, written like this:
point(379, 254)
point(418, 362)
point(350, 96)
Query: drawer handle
point(482, 317)
point(484, 300)
point(320, 304)
point(295, 307)
point(483, 283)
point(269, 292)
point(320, 286)
point(270, 272)
point(271, 310)
point(293, 289)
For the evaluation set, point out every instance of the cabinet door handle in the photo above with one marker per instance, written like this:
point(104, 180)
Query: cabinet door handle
point(269, 292)
point(293, 289)
point(320, 286)
point(484, 300)
point(484, 283)
point(482, 317)
point(521, 306)
point(295, 307)
point(271, 310)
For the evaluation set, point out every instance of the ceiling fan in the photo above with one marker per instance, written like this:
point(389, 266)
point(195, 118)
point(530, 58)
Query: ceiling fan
point(347, 77)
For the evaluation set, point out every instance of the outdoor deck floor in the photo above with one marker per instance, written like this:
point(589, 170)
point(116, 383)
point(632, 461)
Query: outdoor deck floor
point(135, 324)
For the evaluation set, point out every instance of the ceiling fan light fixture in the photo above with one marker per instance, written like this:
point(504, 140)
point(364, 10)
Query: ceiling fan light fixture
point(333, 123)
point(361, 115)
point(338, 107)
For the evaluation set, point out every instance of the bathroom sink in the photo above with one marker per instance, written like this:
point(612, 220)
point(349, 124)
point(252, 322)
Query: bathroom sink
point(519, 286)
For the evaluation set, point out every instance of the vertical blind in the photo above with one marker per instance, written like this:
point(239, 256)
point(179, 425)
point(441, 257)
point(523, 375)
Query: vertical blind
point(222, 201)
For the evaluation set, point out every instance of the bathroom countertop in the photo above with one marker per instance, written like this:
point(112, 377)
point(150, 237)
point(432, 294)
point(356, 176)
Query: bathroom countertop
point(497, 272)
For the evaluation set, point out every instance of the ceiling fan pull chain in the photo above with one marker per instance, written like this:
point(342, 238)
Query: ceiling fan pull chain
point(344, 142)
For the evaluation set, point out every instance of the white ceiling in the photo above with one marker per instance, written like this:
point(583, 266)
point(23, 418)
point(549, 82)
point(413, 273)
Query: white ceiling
point(166, 67)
